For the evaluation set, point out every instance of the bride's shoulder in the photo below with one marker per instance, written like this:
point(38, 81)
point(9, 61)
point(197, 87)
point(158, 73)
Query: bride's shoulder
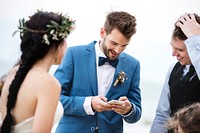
point(49, 81)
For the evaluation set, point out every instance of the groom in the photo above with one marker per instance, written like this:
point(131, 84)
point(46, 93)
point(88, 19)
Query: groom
point(92, 75)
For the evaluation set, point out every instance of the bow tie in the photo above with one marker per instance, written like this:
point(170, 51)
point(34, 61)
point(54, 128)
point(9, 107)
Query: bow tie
point(113, 63)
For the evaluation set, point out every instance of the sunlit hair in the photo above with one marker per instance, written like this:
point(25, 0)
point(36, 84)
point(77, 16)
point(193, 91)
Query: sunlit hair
point(178, 33)
point(33, 48)
point(187, 118)
point(122, 21)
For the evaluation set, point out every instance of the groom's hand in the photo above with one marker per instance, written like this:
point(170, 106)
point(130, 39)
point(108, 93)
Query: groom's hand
point(99, 104)
point(122, 109)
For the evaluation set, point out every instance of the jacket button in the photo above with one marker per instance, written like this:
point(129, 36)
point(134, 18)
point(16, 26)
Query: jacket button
point(94, 128)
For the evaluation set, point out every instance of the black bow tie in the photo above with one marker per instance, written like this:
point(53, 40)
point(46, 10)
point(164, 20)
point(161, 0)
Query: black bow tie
point(113, 63)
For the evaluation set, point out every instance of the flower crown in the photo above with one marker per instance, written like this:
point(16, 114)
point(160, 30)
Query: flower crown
point(54, 30)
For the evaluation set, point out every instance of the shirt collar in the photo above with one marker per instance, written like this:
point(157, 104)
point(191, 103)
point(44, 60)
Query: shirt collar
point(98, 51)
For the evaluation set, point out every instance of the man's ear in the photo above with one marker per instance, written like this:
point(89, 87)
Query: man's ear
point(102, 32)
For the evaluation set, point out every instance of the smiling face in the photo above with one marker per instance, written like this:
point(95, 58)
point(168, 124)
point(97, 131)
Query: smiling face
point(179, 50)
point(113, 44)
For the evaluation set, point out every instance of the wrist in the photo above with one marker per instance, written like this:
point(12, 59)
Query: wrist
point(130, 111)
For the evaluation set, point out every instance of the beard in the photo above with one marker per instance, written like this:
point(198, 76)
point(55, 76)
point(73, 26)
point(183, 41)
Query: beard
point(107, 52)
point(104, 48)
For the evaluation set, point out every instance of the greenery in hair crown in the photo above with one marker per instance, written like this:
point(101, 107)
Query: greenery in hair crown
point(54, 30)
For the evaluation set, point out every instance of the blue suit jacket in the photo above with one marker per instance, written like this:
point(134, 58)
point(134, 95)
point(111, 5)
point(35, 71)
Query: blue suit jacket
point(78, 77)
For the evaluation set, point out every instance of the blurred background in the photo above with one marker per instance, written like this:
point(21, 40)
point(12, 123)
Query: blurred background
point(150, 45)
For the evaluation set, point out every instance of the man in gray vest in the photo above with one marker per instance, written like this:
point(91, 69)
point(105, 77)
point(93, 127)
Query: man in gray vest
point(182, 83)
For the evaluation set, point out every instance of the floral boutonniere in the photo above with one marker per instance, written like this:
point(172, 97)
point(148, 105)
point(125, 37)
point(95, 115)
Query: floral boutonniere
point(120, 78)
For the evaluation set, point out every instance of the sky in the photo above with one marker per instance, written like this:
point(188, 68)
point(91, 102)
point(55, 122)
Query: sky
point(150, 45)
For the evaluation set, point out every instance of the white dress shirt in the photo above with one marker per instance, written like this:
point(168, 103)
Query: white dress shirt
point(105, 74)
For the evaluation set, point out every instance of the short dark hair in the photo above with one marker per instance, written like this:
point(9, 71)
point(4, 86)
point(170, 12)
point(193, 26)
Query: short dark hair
point(122, 21)
point(178, 33)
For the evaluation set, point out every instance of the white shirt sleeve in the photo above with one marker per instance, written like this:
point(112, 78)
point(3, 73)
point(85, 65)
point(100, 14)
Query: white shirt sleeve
point(163, 109)
point(87, 106)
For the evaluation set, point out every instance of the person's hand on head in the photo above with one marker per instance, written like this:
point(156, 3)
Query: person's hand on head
point(188, 25)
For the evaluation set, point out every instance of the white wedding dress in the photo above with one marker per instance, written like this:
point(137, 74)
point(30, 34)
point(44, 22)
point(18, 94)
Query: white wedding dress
point(26, 125)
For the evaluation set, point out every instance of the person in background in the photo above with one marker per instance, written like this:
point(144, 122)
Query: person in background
point(186, 119)
point(182, 83)
point(30, 95)
point(100, 83)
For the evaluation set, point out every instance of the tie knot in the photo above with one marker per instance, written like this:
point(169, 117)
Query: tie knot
point(187, 78)
point(191, 71)
point(191, 68)
point(113, 63)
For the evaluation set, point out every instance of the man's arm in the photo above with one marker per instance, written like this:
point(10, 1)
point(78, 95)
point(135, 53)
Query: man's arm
point(193, 48)
point(191, 28)
point(64, 74)
point(163, 109)
point(134, 97)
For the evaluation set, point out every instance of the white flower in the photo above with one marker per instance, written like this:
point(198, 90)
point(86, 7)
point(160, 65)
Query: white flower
point(52, 31)
point(46, 40)
point(54, 37)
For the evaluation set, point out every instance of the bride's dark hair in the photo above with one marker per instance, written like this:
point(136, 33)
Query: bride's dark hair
point(33, 48)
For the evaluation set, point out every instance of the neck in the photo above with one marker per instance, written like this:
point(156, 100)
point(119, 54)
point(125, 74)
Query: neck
point(45, 64)
point(101, 47)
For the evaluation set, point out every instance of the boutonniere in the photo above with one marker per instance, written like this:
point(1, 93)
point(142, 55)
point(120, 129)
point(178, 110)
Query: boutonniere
point(120, 78)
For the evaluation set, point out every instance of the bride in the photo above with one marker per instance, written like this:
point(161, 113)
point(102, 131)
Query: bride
point(30, 97)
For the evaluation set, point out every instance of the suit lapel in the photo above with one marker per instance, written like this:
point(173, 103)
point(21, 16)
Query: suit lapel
point(120, 67)
point(91, 62)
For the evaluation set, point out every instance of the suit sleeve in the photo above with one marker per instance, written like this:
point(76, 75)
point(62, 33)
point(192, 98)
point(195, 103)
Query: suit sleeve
point(135, 97)
point(72, 105)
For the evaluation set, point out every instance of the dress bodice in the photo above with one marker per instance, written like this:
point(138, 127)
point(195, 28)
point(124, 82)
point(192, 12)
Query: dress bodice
point(26, 125)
